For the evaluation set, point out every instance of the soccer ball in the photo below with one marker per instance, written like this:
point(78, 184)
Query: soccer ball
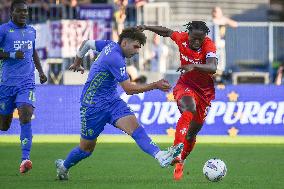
point(214, 169)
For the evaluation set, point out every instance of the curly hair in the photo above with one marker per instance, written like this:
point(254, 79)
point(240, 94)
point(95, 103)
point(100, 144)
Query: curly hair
point(133, 34)
point(197, 25)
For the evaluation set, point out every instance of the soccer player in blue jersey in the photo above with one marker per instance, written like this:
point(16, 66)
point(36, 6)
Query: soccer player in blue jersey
point(17, 80)
point(101, 104)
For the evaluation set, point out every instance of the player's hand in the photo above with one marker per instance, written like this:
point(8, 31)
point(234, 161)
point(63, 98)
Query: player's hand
point(78, 61)
point(76, 66)
point(19, 55)
point(163, 85)
point(141, 28)
point(42, 78)
point(185, 68)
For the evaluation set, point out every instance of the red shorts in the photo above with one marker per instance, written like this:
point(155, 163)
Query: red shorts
point(201, 105)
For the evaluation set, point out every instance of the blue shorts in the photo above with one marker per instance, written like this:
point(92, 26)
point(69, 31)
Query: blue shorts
point(13, 96)
point(93, 119)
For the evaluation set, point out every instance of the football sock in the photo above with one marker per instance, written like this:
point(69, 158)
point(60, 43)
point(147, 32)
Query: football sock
point(182, 127)
point(188, 147)
point(75, 156)
point(144, 142)
point(181, 131)
point(26, 140)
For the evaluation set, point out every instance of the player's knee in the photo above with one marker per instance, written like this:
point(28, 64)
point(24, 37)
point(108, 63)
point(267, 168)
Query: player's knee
point(25, 117)
point(25, 113)
point(188, 104)
point(191, 109)
point(5, 124)
point(88, 147)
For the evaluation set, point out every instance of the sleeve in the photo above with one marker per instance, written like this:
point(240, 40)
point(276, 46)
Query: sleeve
point(100, 44)
point(117, 66)
point(210, 49)
point(179, 36)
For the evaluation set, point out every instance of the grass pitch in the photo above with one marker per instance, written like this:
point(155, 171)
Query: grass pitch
point(118, 163)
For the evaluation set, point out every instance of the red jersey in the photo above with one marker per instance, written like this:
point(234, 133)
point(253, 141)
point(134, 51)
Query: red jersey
point(201, 82)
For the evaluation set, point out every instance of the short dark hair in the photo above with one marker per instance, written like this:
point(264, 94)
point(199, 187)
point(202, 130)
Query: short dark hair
point(15, 2)
point(197, 25)
point(134, 34)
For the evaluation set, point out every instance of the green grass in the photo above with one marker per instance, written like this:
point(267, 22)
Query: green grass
point(122, 165)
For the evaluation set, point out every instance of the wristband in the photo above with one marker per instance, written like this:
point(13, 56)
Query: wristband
point(12, 55)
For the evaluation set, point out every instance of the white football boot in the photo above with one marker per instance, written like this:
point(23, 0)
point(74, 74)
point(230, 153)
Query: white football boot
point(165, 158)
point(62, 172)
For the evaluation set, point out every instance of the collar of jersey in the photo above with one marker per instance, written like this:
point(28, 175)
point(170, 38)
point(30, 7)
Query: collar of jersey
point(11, 23)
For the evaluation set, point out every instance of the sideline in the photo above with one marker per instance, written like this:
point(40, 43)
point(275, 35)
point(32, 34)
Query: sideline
point(156, 138)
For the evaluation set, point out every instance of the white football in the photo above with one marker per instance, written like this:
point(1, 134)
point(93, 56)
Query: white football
point(214, 169)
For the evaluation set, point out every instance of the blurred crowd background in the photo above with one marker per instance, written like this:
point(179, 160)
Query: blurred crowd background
point(249, 36)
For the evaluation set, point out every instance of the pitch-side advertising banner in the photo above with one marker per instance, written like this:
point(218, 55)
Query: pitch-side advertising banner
point(95, 12)
point(237, 110)
point(62, 39)
point(67, 36)
point(101, 15)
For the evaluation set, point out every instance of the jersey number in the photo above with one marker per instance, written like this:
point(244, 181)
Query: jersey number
point(122, 71)
point(32, 96)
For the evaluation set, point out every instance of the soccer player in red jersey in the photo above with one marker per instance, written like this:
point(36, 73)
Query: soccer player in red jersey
point(195, 87)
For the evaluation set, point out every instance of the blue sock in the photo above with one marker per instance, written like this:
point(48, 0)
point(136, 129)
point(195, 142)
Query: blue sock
point(26, 140)
point(75, 156)
point(145, 142)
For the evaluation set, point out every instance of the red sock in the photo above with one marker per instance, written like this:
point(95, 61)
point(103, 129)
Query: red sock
point(182, 127)
point(188, 147)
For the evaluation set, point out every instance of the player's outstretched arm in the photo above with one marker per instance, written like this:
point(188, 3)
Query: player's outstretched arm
point(209, 67)
point(36, 59)
point(84, 48)
point(131, 88)
point(160, 30)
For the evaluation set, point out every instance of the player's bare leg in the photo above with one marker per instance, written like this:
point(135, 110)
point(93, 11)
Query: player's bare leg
point(5, 122)
point(25, 115)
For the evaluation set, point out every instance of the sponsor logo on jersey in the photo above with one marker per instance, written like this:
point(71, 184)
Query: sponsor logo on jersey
point(23, 45)
point(187, 59)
